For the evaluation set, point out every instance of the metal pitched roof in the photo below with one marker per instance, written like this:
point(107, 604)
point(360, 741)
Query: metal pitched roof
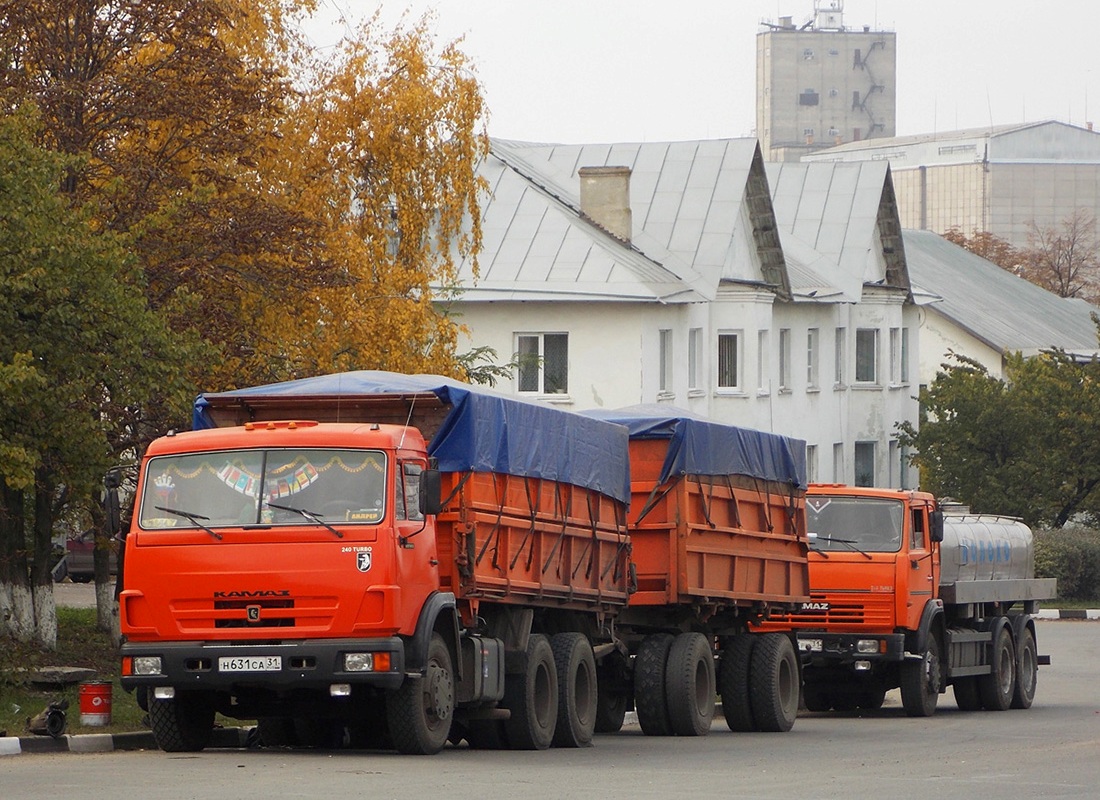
point(689, 202)
point(1003, 310)
point(844, 212)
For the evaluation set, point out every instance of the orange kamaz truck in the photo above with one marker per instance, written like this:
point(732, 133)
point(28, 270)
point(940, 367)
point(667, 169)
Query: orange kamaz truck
point(909, 593)
point(376, 559)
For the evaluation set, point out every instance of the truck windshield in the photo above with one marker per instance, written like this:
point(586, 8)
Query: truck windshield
point(869, 524)
point(225, 488)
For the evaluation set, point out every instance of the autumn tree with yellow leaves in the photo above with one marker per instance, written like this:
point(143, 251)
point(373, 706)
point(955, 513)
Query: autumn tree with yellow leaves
point(283, 212)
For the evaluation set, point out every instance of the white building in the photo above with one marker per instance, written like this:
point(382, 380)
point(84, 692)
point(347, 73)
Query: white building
point(823, 83)
point(662, 272)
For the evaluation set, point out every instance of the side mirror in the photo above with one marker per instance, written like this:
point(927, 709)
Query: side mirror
point(935, 522)
point(431, 492)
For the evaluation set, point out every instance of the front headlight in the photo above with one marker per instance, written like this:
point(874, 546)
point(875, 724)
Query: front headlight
point(867, 646)
point(358, 662)
point(147, 665)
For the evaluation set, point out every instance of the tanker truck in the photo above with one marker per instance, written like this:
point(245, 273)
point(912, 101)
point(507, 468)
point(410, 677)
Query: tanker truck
point(717, 523)
point(375, 559)
point(910, 593)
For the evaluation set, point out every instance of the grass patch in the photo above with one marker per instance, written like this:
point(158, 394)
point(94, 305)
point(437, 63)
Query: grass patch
point(79, 644)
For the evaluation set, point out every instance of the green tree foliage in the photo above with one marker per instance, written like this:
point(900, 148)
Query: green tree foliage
point(78, 344)
point(1028, 445)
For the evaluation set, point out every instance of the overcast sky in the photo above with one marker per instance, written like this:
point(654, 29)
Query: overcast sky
point(651, 70)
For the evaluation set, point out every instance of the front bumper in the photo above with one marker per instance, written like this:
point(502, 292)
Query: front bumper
point(304, 664)
point(820, 649)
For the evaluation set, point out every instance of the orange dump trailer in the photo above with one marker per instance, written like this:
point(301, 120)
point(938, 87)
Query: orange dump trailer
point(718, 537)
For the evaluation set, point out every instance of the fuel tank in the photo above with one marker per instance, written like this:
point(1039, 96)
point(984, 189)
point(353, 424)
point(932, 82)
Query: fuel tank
point(981, 547)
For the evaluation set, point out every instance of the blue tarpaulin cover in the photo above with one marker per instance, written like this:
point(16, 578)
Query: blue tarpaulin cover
point(484, 431)
point(698, 446)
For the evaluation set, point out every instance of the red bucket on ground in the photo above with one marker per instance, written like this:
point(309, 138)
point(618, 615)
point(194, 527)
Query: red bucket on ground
point(95, 703)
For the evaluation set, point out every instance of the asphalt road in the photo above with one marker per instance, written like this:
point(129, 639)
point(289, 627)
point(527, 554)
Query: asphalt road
point(1049, 751)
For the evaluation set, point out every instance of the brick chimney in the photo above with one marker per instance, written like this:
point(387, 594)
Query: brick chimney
point(605, 199)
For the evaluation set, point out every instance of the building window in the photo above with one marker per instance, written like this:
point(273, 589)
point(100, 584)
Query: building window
point(838, 462)
point(543, 360)
point(867, 355)
point(841, 345)
point(865, 463)
point(812, 358)
point(905, 355)
point(808, 98)
point(784, 359)
point(895, 355)
point(762, 362)
point(811, 463)
point(695, 342)
point(666, 361)
point(729, 376)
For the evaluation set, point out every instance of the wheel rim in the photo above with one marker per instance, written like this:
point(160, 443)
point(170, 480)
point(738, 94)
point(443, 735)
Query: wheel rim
point(438, 693)
point(545, 710)
point(1004, 670)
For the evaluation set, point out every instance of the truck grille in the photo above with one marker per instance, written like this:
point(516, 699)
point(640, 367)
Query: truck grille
point(843, 610)
point(263, 621)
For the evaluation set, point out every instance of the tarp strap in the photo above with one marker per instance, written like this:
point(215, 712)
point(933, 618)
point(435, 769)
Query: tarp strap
point(767, 502)
point(734, 504)
point(532, 507)
point(792, 509)
point(458, 488)
point(563, 509)
point(706, 501)
point(656, 495)
point(496, 528)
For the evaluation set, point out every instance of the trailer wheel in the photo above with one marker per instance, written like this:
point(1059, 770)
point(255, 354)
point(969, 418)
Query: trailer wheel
point(614, 696)
point(690, 685)
point(183, 724)
point(650, 700)
point(734, 668)
point(576, 667)
point(996, 688)
point(421, 710)
point(1027, 669)
point(774, 683)
point(921, 681)
point(532, 697)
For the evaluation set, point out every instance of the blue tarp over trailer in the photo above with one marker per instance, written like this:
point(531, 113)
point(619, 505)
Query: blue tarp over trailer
point(484, 431)
point(702, 447)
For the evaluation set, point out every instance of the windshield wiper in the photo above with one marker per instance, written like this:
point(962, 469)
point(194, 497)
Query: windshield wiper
point(850, 543)
point(193, 518)
point(312, 517)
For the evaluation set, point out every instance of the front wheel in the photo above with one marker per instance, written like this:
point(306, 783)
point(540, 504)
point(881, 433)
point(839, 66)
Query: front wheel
point(774, 683)
point(183, 724)
point(921, 681)
point(420, 712)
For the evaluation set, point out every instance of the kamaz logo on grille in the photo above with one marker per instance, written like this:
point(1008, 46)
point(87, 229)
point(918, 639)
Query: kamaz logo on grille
point(258, 593)
point(814, 607)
